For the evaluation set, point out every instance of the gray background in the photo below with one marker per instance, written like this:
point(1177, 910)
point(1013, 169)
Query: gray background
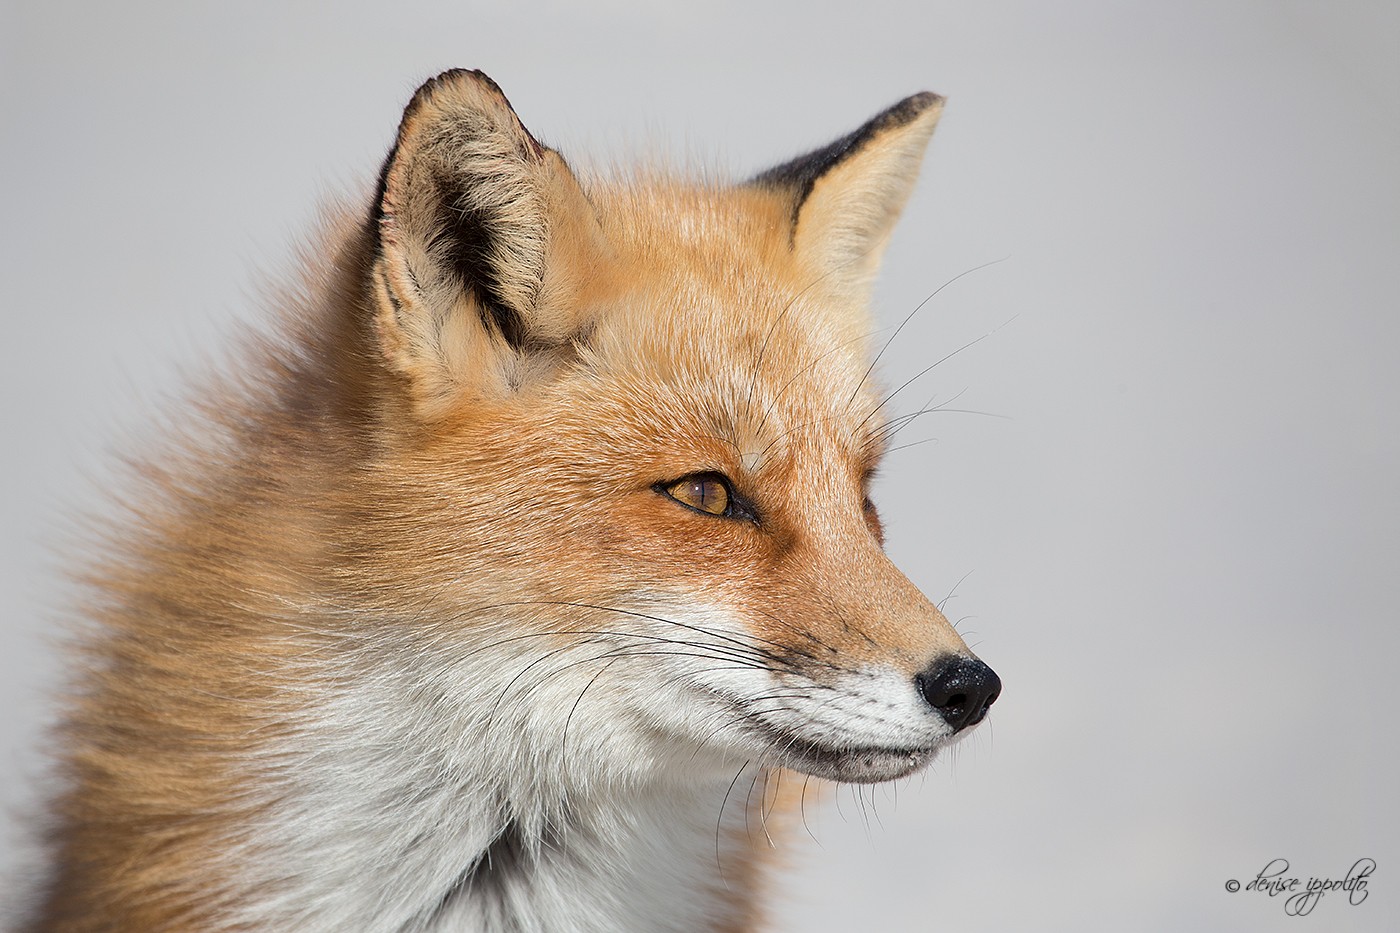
point(1177, 543)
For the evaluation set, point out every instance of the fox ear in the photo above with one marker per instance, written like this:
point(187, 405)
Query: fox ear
point(846, 196)
point(482, 235)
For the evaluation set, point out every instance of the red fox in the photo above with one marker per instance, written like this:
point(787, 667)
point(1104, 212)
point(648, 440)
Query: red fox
point(526, 570)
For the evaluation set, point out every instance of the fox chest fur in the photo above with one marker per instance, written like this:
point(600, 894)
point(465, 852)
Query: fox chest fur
point(526, 575)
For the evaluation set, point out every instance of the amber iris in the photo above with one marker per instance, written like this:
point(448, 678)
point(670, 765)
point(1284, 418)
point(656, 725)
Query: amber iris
point(703, 492)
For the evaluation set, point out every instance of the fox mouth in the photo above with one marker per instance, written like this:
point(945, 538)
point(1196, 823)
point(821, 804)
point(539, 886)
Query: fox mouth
point(852, 764)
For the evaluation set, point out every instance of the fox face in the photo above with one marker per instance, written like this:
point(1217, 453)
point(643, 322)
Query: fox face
point(626, 434)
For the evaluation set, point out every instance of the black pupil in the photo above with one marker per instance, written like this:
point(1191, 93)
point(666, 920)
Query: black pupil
point(705, 492)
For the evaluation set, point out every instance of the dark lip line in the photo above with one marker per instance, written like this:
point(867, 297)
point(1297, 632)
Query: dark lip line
point(785, 744)
point(789, 744)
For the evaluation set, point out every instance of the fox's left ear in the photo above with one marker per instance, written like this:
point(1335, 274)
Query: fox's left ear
point(847, 196)
point(483, 238)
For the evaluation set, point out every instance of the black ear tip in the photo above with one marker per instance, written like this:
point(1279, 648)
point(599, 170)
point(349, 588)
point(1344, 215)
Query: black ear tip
point(454, 77)
point(907, 110)
point(463, 89)
point(801, 173)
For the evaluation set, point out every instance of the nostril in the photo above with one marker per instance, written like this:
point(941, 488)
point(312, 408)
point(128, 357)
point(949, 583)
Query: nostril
point(960, 689)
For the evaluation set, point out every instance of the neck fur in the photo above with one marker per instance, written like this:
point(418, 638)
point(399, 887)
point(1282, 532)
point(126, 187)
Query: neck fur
point(416, 804)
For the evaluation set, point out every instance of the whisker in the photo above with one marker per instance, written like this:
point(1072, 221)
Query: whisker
point(564, 744)
point(803, 371)
point(748, 654)
point(890, 428)
point(719, 822)
point(802, 808)
point(928, 369)
point(910, 316)
point(927, 440)
point(773, 328)
point(618, 652)
point(770, 800)
point(875, 808)
point(654, 618)
point(748, 807)
point(954, 590)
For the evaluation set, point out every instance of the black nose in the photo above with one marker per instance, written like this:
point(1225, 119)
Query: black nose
point(961, 689)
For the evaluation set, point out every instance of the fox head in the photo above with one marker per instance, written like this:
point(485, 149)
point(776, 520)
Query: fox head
point(626, 435)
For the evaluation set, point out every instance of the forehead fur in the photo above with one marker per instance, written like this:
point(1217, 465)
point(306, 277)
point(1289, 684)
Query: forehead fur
point(706, 298)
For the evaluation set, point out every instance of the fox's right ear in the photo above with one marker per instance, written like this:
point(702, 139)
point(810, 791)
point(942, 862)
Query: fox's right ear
point(482, 234)
point(846, 196)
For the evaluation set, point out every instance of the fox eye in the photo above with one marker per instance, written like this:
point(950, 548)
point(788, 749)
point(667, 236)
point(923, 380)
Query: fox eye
point(703, 492)
point(872, 519)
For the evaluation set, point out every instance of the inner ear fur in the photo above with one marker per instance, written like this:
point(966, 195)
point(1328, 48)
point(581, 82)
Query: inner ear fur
point(847, 195)
point(483, 235)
